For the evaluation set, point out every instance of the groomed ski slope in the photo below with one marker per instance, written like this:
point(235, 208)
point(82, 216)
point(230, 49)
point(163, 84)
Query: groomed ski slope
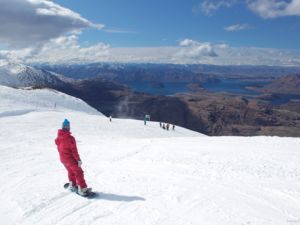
point(144, 175)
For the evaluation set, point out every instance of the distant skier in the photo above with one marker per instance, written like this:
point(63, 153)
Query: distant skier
point(167, 126)
point(173, 127)
point(163, 126)
point(69, 157)
point(160, 125)
point(110, 118)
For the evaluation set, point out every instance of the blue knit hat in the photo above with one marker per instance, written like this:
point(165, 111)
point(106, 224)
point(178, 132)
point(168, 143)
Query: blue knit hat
point(66, 124)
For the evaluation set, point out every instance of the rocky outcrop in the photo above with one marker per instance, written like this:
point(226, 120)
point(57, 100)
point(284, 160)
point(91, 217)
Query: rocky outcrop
point(226, 115)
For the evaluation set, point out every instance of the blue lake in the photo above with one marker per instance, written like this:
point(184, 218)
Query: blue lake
point(225, 85)
point(239, 87)
point(233, 86)
point(159, 89)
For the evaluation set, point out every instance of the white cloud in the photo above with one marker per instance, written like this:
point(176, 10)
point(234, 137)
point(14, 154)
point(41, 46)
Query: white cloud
point(17, 56)
point(24, 23)
point(209, 7)
point(119, 31)
point(237, 27)
point(143, 54)
point(226, 55)
point(188, 42)
point(274, 8)
point(222, 46)
point(64, 49)
point(68, 50)
point(264, 8)
point(195, 49)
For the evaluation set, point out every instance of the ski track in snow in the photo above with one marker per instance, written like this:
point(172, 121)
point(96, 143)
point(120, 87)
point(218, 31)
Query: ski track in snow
point(142, 174)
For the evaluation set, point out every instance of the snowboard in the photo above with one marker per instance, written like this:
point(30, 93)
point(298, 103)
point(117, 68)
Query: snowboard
point(90, 194)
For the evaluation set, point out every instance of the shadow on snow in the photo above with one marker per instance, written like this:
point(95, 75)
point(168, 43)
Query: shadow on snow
point(119, 198)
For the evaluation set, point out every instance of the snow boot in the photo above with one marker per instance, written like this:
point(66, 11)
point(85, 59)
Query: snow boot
point(72, 187)
point(84, 191)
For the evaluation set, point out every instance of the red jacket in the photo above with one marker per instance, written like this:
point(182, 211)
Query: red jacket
point(67, 148)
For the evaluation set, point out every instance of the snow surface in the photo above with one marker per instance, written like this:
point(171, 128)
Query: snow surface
point(144, 175)
point(21, 101)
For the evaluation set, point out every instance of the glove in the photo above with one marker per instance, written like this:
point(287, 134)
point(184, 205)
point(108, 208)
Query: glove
point(79, 163)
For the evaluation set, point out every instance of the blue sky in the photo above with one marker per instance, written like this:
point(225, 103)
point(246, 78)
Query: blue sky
point(223, 32)
point(157, 23)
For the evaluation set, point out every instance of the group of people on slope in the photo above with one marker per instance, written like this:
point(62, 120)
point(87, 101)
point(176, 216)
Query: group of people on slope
point(166, 126)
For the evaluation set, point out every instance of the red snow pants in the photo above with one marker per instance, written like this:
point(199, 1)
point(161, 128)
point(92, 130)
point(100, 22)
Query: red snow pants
point(75, 174)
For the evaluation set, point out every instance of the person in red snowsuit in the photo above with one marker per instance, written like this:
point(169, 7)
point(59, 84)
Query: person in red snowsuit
point(66, 145)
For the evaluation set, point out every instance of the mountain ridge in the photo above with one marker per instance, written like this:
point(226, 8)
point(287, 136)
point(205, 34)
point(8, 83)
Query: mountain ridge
point(19, 75)
point(289, 84)
point(208, 113)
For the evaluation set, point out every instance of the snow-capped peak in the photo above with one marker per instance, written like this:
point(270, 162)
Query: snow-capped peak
point(18, 75)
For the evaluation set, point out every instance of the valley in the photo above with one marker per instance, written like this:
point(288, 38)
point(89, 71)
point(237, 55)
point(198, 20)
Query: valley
point(207, 103)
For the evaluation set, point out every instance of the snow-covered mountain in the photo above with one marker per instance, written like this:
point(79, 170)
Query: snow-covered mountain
point(18, 75)
point(143, 174)
point(16, 101)
point(166, 72)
